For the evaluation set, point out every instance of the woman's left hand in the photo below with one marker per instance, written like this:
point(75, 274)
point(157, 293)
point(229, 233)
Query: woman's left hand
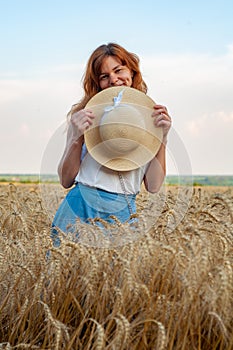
point(162, 119)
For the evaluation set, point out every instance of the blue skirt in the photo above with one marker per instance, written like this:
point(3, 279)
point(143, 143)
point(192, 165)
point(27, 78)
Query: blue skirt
point(85, 203)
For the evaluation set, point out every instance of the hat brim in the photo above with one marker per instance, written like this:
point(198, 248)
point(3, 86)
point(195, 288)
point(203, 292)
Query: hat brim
point(149, 143)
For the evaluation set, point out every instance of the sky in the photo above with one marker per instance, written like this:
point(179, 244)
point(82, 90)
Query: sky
point(186, 58)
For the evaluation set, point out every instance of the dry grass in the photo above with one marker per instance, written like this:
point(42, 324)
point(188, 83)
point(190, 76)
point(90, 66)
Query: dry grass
point(169, 289)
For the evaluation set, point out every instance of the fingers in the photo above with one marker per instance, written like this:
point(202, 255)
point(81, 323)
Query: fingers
point(162, 118)
point(161, 115)
point(82, 120)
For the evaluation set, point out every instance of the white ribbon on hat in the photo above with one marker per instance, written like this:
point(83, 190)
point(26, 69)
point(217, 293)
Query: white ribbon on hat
point(116, 101)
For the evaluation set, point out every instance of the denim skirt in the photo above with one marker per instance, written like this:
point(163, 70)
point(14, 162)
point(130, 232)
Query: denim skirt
point(85, 203)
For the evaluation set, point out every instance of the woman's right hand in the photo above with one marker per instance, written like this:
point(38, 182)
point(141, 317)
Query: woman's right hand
point(80, 122)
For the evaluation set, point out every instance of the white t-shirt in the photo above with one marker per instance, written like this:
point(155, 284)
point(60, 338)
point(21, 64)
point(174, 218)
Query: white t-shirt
point(93, 174)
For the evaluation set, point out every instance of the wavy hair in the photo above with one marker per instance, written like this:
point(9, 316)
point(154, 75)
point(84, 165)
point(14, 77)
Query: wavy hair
point(93, 70)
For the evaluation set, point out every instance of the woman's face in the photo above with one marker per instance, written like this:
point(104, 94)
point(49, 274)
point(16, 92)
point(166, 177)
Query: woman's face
point(113, 73)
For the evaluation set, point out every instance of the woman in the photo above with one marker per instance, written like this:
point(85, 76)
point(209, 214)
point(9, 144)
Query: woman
point(97, 193)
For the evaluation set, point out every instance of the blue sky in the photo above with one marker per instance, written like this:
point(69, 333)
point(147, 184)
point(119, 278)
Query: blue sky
point(186, 53)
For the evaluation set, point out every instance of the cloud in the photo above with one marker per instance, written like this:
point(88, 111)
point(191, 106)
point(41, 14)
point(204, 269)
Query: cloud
point(226, 117)
point(230, 50)
point(189, 68)
point(64, 68)
point(24, 129)
point(215, 121)
point(196, 88)
point(22, 89)
point(46, 134)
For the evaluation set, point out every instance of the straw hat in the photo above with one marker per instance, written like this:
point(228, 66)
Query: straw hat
point(123, 136)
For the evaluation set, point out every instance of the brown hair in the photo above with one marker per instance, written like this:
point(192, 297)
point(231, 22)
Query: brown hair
point(91, 76)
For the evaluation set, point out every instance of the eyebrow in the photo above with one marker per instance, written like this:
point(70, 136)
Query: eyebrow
point(114, 68)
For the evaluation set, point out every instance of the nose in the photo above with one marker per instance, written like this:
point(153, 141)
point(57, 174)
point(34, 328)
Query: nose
point(113, 79)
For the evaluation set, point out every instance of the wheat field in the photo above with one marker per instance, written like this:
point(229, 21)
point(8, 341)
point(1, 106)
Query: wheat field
point(168, 287)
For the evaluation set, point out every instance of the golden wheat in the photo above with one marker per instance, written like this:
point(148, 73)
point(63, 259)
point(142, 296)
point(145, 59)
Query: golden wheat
point(167, 284)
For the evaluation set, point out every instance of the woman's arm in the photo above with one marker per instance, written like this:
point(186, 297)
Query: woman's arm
point(70, 162)
point(156, 170)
